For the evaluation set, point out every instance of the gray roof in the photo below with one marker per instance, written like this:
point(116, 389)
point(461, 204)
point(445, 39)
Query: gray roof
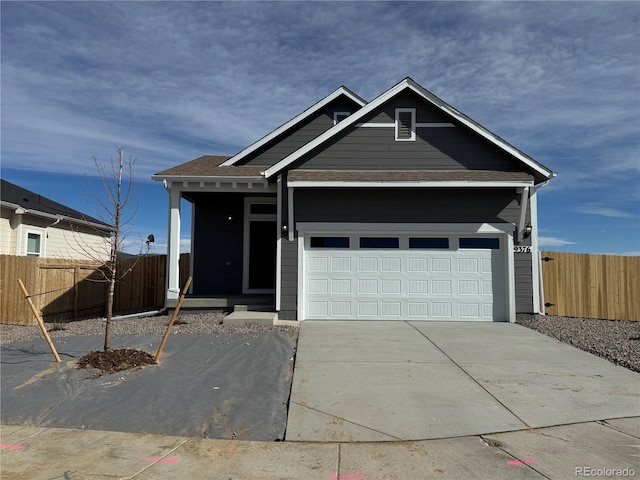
point(209, 166)
point(408, 176)
point(37, 204)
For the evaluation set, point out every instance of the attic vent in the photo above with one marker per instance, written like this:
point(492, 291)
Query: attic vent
point(405, 124)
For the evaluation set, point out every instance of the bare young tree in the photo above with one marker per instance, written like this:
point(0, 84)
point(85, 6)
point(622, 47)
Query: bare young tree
point(118, 190)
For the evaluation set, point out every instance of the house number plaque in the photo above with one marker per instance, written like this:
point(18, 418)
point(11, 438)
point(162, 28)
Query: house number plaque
point(522, 249)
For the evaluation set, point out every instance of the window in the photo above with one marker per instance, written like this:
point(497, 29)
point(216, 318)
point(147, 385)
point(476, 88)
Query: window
point(480, 242)
point(426, 243)
point(339, 116)
point(405, 124)
point(329, 242)
point(379, 242)
point(33, 244)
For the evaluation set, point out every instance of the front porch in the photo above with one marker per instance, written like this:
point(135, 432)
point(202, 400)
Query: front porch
point(250, 302)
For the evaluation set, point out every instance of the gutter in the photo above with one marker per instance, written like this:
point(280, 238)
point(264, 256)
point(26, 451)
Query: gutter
point(57, 217)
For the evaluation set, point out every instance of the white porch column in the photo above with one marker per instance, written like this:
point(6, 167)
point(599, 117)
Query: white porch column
point(173, 245)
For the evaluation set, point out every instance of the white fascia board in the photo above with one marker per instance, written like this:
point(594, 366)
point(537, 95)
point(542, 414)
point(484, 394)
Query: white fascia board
point(400, 184)
point(295, 120)
point(404, 84)
point(208, 178)
point(218, 184)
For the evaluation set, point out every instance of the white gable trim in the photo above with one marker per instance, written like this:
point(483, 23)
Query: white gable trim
point(298, 118)
point(407, 83)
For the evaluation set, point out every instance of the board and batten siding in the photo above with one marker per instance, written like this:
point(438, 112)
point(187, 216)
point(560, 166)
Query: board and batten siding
point(299, 135)
point(403, 206)
point(217, 243)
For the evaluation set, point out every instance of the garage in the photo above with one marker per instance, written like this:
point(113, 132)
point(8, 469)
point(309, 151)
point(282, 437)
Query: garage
point(409, 276)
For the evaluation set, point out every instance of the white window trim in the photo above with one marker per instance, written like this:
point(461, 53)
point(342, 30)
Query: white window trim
point(505, 230)
point(412, 138)
point(248, 218)
point(338, 114)
point(25, 240)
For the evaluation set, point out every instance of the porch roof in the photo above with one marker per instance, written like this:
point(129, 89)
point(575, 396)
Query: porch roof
point(209, 166)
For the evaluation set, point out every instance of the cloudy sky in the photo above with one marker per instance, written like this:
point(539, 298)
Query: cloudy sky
point(171, 81)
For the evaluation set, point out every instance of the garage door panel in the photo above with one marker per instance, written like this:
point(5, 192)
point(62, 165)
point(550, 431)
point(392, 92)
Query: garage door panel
point(405, 283)
point(341, 286)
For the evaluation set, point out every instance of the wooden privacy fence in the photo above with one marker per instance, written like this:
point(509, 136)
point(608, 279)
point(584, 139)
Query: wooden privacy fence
point(591, 286)
point(68, 289)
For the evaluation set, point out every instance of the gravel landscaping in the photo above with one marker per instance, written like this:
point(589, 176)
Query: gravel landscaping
point(187, 324)
point(615, 340)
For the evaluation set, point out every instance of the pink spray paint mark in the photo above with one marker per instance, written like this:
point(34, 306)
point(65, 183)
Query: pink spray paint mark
point(162, 460)
point(4, 446)
point(527, 461)
point(348, 475)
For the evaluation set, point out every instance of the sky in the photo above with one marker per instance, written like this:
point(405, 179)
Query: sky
point(171, 81)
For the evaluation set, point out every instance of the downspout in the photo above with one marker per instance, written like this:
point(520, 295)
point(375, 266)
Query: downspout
point(541, 302)
point(524, 198)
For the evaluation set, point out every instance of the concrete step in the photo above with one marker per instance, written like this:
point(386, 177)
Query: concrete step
point(249, 317)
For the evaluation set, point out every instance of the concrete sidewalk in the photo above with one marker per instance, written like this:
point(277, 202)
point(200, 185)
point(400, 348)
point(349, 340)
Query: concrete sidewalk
point(569, 451)
point(382, 400)
point(390, 381)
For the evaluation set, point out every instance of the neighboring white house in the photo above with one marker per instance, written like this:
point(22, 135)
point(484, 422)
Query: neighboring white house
point(35, 226)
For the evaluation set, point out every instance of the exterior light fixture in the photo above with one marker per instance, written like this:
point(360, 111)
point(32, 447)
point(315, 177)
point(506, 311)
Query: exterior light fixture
point(527, 231)
point(230, 219)
point(285, 229)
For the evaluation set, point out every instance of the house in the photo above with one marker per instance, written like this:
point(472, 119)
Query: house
point(35, 226)
point(402, 208)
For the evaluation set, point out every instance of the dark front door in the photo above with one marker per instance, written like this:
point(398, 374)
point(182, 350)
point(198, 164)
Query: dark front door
point(262, 255)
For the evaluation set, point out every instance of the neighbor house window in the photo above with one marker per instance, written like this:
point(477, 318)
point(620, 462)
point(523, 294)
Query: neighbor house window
point(405, 124)
point(33, 244)
point(339, 116)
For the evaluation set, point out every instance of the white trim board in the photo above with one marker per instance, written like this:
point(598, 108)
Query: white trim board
point(419, 183)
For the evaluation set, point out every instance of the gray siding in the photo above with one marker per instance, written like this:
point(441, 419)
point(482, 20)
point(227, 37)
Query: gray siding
point(435, 148)
point(289, 280)
point(299, 135)
point(406, 205)
point(417, 206)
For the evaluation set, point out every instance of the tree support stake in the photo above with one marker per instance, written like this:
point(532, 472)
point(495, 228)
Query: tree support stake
point(40, 322)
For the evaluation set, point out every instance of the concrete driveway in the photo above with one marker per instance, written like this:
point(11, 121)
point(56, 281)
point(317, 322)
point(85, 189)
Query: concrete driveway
point(389, 381)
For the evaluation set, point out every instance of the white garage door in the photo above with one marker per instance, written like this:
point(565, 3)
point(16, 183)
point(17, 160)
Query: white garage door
point(404, 277)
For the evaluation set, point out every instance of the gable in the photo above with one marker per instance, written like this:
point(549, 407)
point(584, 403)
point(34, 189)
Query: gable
point(438, 143)
point(299, 134)
point(444, 139)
